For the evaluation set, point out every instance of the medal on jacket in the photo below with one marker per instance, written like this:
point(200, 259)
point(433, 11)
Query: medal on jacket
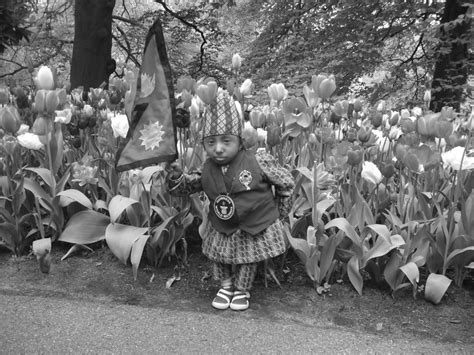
point(245, 178)
point(224, 207)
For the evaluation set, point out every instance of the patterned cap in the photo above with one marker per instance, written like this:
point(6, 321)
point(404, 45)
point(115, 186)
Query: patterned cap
point(222, 117)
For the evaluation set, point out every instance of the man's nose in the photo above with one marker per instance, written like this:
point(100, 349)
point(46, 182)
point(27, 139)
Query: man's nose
point(219, 147)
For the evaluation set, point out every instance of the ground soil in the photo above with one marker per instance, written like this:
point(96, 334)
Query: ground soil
point(100, 276)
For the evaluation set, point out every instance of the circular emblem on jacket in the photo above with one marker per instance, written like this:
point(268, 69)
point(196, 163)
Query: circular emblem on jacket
point(224, 207)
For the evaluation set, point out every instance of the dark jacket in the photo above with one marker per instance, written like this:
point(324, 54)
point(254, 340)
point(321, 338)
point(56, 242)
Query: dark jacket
point(245, 183)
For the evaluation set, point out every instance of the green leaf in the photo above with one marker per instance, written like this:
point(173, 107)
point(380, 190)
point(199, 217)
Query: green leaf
point(118, 204)
point(45, 174)
point(120, 239)
point(74, 248)
point(458, 252)
point(391, 271)
point(36, 189)
point(412, 272)
point(73, 195)
point(435, 288)
point(85, 227)
point(137, 252)
point(354, 274)
point(344, 225)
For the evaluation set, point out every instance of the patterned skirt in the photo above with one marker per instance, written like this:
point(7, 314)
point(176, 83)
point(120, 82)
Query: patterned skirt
point(243, 248)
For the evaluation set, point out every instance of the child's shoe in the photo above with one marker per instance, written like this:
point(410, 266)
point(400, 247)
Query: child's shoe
point(240, 301)
point(223, 298)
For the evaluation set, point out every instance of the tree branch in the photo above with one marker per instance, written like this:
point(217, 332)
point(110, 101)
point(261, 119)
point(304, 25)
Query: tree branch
point(187, 23)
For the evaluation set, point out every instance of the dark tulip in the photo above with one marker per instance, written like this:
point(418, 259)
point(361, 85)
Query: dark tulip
point(92, 121)
point(73, 130)
point(354, 157)
point(334, 118)
point(377, 119)
point(387, 170)
point(182, 118)
point(83, 122)
point(76, 142)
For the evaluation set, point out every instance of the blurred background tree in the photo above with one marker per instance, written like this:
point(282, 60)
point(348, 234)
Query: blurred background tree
point(391, 50)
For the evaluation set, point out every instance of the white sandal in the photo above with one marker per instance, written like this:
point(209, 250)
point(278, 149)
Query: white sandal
point(222, 299)
point(240, 301)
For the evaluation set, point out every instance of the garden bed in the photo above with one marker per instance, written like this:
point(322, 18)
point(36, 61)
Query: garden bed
point(100, 276)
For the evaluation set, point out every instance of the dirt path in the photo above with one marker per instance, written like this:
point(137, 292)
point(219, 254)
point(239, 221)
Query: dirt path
point(99, 280)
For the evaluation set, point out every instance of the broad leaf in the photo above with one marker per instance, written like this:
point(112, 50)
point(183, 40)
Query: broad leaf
point(118, 204)
point(120, 239)
point(45, 174)
point(85, 227)
point(344, 225)
point(435, 288)
point(137, 251)
point(412, 272)
point(66, 197)
point(355, 277)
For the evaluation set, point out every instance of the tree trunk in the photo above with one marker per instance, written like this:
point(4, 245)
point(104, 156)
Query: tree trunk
point(91, 56)
point(450, 73)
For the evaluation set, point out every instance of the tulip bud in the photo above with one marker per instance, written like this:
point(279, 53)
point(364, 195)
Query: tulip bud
point(387, 170)
point(427, 97)
point(327, 87)
point(443, 129)
point(354, 157)
point(376, 119)
point(407, 125)
point(40, 100)
point(357, 105)
point(4, 95)
point(273, 136)
point(257, 119)
point(394, 118)
point(52, 101)
point(277, 92)
point(351, 135)
point(236, 62)
point(249, 135)
point(411, 162)
point(316, 83)
point(364, 134)
point(246, 87)
point(334, 118)
point(10, 119)
point(45, 79)
point(312, 138)
point(41, 126)
point(371, 173)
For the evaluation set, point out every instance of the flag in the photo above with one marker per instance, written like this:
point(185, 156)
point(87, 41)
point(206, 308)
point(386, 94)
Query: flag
point(151, 138)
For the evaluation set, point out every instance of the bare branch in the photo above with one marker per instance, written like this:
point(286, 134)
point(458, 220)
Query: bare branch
point(187, 23)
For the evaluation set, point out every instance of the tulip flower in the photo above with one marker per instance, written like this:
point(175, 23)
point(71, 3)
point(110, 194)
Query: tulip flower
point(370, 172)
point(354, 157)
point(295, 112)
point(257, 119)
point(119, 125)
point(327, 87)
point(4, 95)
point(63, 116)
point(9, 119)
point(246, 87)
point(277, 92)
point(458, 159)
point(30, 141)
point(273, 135)
point(236, 62)
point(310, 96)
point(45, 78)
point(51, 101)
point(249, 135)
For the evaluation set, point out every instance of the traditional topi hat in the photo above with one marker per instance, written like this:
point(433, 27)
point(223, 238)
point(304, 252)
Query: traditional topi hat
point(221, 116)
